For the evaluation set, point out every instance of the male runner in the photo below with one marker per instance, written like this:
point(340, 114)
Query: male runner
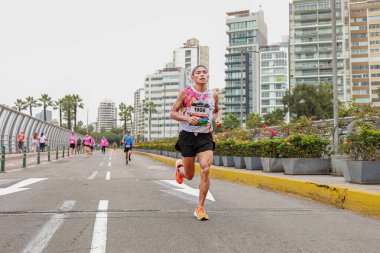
point(195, 108)
point(128, 143)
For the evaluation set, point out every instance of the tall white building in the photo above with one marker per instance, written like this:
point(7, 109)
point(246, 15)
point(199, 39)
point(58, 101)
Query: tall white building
point(138, 116)
point(310, 44)
point(191, 55)
point(246, 31)
point(107, 116)
point(274, 77)
point(162, 88)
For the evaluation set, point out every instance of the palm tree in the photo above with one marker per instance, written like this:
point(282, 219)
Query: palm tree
point(58, 106)
point(46, 102)
point(130, 111)
point(123, 114)
point(68, 109)
point(31, 102)
point(150, 108)
point(77, 104)
point(20, 105)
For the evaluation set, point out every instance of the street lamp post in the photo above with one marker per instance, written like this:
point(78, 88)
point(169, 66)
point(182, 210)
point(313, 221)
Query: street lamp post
point(335, 88)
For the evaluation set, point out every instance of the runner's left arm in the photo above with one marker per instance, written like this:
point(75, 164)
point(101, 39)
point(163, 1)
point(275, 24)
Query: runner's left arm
point(216, 112)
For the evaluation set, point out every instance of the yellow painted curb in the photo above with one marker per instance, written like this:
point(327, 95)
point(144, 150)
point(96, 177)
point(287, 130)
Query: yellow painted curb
point(342, 197)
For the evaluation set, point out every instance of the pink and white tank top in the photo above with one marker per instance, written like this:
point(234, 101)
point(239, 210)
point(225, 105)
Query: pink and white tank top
point(198, 104)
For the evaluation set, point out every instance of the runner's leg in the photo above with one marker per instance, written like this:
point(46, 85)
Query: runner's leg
point(188, 167)
point(205, 160)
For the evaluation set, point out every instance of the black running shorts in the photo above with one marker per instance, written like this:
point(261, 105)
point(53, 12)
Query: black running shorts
point(190, 144)
point(72, 145)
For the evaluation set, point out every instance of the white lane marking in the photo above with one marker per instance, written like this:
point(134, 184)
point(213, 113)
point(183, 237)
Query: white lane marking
point(41, 240)
point(14, 170)
point(93, 175)
point(109, 164)
point(108, 175)
point(18, 187)
point(99, 237)
point(101, 164)
point(187, 189)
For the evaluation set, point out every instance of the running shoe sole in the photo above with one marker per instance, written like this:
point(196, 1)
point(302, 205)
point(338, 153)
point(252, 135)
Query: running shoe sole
point(202, 218)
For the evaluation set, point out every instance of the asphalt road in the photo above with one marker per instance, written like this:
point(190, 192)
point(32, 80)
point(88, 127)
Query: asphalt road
point(100, 204)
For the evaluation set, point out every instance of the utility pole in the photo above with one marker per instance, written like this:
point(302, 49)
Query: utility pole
point(335, 72)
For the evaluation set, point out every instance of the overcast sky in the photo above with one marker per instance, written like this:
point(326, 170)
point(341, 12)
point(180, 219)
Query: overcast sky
point(104, 49)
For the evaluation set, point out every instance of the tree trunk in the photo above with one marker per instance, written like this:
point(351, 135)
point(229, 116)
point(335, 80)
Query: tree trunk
point(69, 118)
point(60, 116)
point(45, 112)
point(150, 114)
point(75, 117)
point(125, 125)
point(30, 108)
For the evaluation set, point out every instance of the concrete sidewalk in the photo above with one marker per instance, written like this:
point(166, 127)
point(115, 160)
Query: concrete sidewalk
point(326, 189)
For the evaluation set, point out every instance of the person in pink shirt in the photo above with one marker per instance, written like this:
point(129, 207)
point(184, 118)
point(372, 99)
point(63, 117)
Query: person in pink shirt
point(104, 144)
point(86, 145)
point(73, 144)
point(20, 141)
point(92, 144)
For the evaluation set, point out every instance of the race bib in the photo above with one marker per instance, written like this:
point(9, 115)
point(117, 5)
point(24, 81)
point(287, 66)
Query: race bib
point(202, 111)
point(127, 145)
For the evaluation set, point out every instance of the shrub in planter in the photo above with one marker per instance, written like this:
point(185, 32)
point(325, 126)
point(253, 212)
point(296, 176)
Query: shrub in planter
point(302, 154)
point(363, 147)
point(268, 151)
point(237, 151)
point(224, 148)
point(250, 152)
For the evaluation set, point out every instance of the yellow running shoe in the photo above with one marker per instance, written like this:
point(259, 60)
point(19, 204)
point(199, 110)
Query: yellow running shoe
point(200, 214)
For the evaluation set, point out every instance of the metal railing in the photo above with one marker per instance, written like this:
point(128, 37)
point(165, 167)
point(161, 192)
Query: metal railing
point(13, 122)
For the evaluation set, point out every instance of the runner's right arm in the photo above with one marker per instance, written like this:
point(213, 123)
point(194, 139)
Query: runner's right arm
point(178, 116)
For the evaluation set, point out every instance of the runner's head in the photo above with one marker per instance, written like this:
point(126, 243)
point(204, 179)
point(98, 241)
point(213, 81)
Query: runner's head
point(86, 134)
point(128, 132)
point(200, 75)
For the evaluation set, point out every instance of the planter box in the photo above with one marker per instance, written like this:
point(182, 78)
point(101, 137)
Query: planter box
point(253, 163)
point(306, 166)
point(239, 162)
point(217, 160)
point(164, 153)
point(228, 161)
point(338, 164)
point(362, 172)
point(272, 164)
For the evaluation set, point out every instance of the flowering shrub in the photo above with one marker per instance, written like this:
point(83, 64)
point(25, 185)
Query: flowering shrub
point(362, 145)
point(304, 146)
point(269, 148)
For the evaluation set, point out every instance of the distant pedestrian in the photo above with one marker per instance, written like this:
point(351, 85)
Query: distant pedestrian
point(34, 142)
point(43, 141)
point(104, 144)
point(72, 143)
point(86, 145)
point(79, 145)
point(114, 145)
point(92, 144)
point(20, 141)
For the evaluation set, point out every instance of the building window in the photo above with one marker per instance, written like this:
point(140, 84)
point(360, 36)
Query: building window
point(265, 94)
point(187, 53)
